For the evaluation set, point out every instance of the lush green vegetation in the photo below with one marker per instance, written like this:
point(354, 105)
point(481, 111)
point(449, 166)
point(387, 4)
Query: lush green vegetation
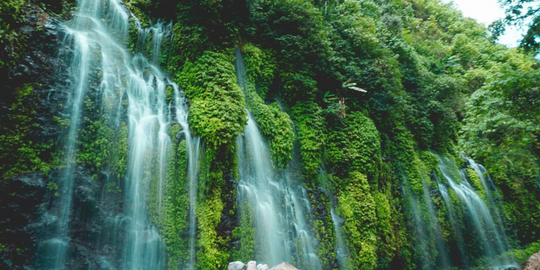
point(364, 91)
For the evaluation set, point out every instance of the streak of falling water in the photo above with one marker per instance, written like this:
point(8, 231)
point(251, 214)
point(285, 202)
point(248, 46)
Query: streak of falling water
point(489, 187)
point(193, 148)
point(342, 252)
point(279, 207)
point(100, 62)
point(455, 225)
point(52, 252)
point(488, 227)
point(427, 228)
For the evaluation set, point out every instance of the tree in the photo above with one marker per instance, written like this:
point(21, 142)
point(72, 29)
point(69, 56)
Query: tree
point(521, 13)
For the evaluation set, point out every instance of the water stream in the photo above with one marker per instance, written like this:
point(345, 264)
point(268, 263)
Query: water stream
point(132, 88)
point(486, 223)
point(279, 207)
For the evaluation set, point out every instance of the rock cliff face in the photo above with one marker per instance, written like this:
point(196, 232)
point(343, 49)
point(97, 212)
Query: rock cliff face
point(23, 199)
point(34, 92)
point(533, 263)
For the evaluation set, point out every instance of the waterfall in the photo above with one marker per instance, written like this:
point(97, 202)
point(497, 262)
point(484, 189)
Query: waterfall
point(455, 225)
point(193, 148)
point(277, 205)
point(341, 252)
point(486, 223)
point(131, 89)
point(427, 229)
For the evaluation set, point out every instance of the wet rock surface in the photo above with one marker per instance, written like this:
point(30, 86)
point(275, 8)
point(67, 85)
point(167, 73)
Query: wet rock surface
point(28, 207)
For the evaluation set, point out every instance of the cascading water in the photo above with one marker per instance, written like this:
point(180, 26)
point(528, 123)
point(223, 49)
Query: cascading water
point(464, 262)
point(487, 225)
point(341, 252)
point(277, 208)
point(477, 227)
point(134, 90)
point(427, 228)
point(52, 252)
point(193, 148)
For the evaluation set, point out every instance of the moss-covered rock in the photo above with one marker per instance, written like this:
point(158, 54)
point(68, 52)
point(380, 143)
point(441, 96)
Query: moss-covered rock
point(355, 146)
point(217, 111)
point(357, 207)
point(310, 128)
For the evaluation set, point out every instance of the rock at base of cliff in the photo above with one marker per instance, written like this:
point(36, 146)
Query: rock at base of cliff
point(236, 266)
point(533, 263)
point(284, 266)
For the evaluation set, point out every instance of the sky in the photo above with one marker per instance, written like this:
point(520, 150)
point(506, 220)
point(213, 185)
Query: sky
point(487, 11)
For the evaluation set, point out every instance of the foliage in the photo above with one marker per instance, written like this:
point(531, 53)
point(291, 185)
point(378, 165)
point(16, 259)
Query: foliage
point(18, 153)
point(176, 209)
point(357, 207)
point(310, 129)
point(261, 65)
point(96, 145)
point(501, 130)
point(214, 197)
point(355, 146)
point(520, 13)
point(476, 183)
point(371, 88)
point(210, 254)
point(10, 40)
point(522, 255)
point(245, 232)
point(217, 111)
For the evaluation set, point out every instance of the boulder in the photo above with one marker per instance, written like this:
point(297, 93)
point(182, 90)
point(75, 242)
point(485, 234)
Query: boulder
point(262, 267)
point(251, 265)
point(236, 266)
point(533, 263)
point(284, 266)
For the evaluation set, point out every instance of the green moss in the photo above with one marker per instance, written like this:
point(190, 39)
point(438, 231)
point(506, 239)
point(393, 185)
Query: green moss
point(167, 204)
point(214, 198)
point(217, 111)
point(245, 233)
point(11, 42)
point(53, 187)
point(119, 158)
point(323, 227)
point(355, 146)
point(96, 144)
point(476, 183)
point(430, 160)
point(112, 187)
point(19, 153)
point(210, 254)
point(387, 246)
point(176, 222)
point(310, 128)
point(523, 254)
point(262, 66)
point(357, 207)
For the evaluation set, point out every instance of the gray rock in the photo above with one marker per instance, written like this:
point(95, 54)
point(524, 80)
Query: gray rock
point(236, 266)
point(251, 265)
point(262, 267)
point(284, 266)
point(533, 263)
